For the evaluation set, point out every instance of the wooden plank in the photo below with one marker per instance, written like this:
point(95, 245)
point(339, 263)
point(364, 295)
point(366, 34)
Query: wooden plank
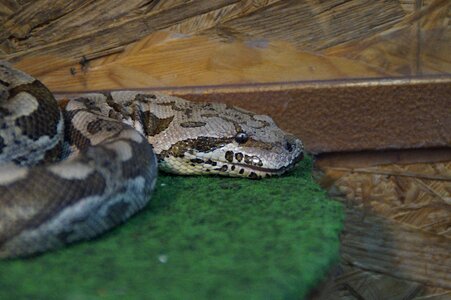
point(397, 221)
point(356, 115)
point(378, 244)
point(338, 116)
point(23, 21)
point(107, 35)
point(315, 27)
point(417, 45)
point(234, 41)
point(163, 60)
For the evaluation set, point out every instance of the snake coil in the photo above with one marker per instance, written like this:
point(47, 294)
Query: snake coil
point(70, 174)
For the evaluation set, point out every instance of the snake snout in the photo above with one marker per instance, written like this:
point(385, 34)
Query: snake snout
point(292, 143)
point(288, 146)
point(295, 147)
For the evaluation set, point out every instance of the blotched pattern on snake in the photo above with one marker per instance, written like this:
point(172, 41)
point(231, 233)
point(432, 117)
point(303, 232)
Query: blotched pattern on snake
point(70, 174)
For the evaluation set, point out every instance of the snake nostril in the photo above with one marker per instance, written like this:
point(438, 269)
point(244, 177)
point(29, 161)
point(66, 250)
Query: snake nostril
point(288, 146)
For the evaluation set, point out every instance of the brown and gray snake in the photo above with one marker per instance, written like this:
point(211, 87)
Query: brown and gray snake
point(68, 174)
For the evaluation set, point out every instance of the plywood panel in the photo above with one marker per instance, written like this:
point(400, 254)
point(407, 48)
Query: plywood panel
point(87, 44)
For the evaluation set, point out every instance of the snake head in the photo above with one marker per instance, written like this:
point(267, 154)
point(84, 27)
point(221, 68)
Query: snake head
point(214, 138)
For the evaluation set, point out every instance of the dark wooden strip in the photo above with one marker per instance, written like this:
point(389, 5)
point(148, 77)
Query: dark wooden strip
point(337, 116)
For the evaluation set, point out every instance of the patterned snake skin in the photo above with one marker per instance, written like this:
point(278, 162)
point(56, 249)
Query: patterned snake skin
point(71, 174)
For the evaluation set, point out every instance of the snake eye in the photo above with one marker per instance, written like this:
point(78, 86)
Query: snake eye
point(241, 137)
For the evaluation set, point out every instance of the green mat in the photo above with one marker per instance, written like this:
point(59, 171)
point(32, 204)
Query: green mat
point(200, 238)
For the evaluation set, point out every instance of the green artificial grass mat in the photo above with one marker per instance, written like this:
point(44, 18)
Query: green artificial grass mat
point(199, 238)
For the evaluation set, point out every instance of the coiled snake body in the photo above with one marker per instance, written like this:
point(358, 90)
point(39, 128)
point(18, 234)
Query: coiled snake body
point(71, 174)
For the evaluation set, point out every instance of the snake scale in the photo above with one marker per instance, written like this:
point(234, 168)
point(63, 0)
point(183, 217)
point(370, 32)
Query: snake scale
point(69, 173)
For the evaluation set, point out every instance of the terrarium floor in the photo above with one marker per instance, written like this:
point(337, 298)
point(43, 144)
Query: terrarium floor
point(199, 238)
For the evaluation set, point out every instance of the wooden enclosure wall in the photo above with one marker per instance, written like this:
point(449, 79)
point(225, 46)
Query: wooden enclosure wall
point(109, 44)
point(316, 67)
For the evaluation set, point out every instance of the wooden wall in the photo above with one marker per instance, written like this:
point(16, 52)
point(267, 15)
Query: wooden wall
point(263, 55)
point(109, 44)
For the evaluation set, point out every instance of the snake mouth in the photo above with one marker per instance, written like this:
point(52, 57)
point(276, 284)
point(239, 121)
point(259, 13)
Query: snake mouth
point(270, 171)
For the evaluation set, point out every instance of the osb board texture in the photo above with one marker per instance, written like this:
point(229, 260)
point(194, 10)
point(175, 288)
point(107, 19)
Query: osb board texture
point(90, 45)
point(396, 241)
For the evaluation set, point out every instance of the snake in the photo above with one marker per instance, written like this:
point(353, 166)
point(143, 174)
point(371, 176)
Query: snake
point(72, 170)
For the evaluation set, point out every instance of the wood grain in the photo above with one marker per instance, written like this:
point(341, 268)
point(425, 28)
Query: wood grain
point(165, 60)
point(378, 244)
point(396, 238)
point(280, 49)
point(103, 26)
point(141, 43)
